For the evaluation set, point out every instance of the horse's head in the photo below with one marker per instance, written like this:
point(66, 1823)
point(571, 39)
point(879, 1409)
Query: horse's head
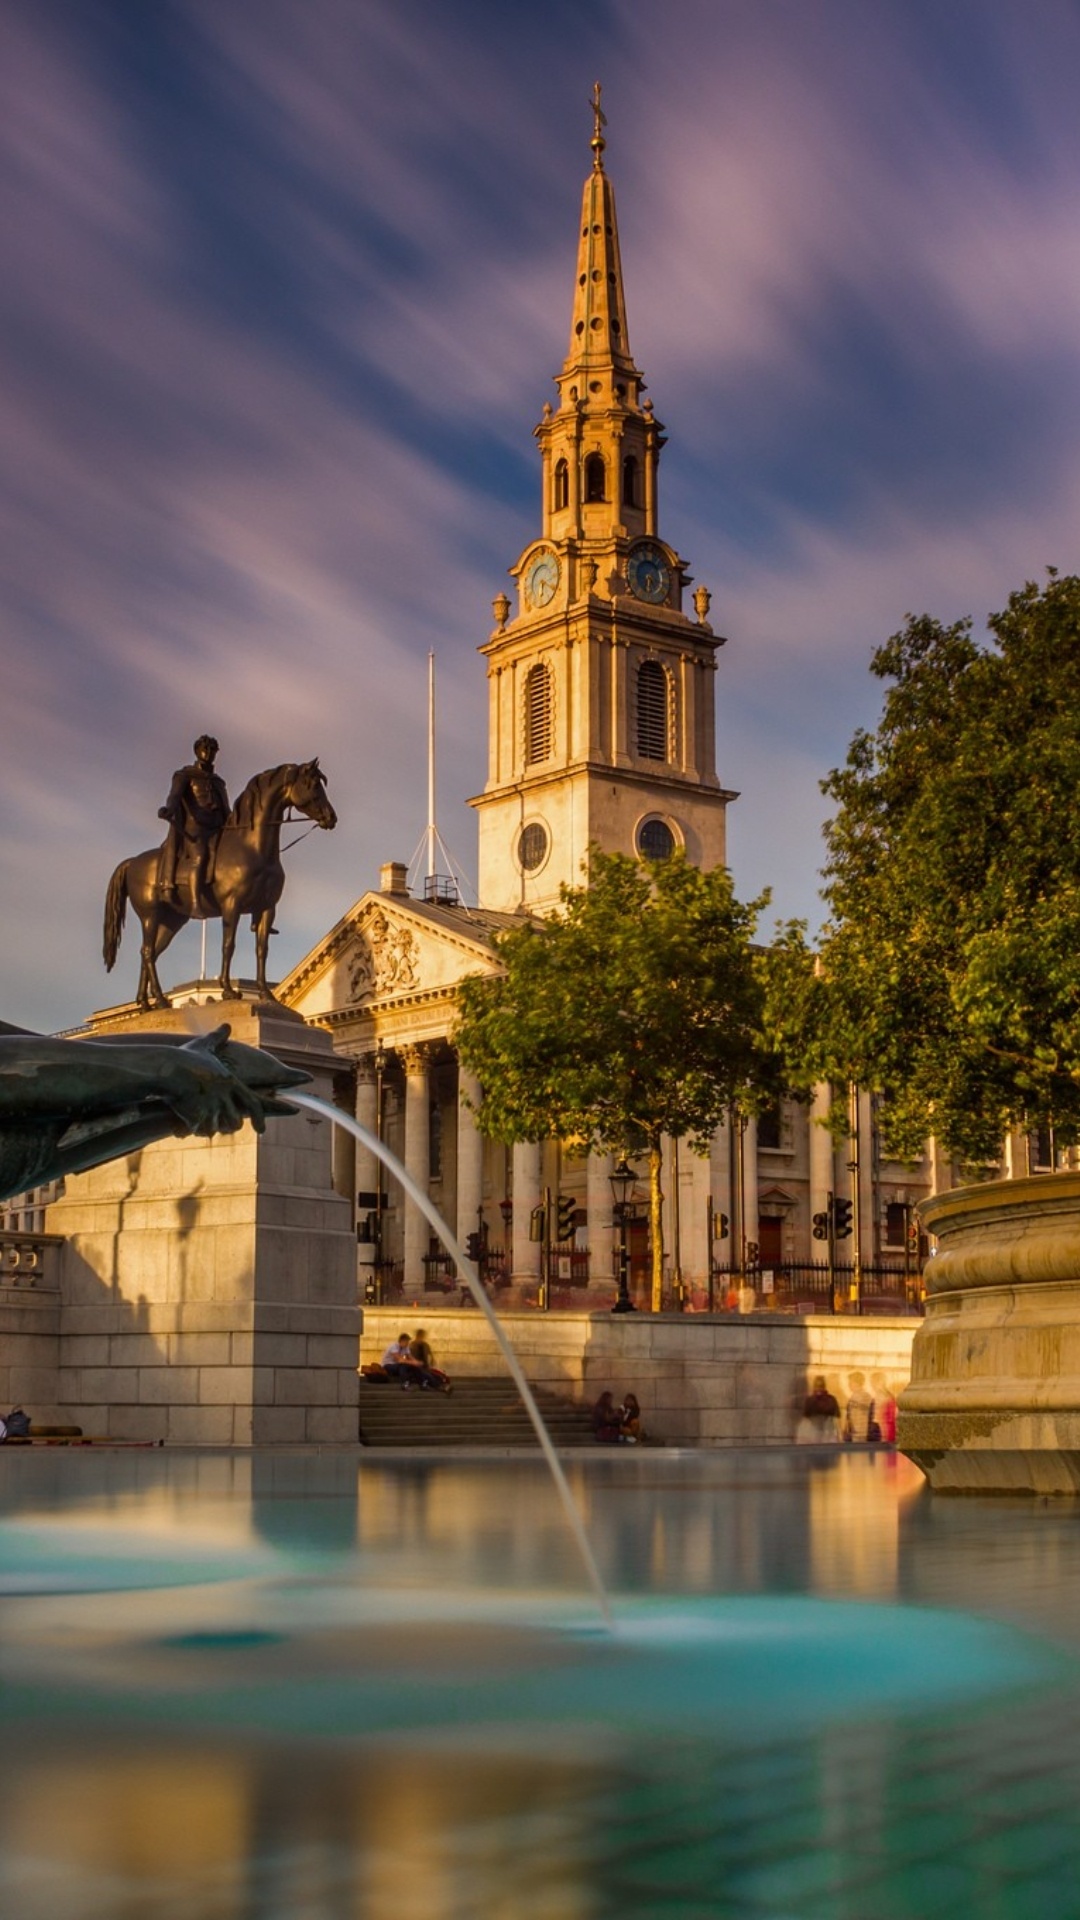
point(306, 791)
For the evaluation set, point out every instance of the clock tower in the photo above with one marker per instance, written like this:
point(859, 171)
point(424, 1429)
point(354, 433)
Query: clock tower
point(601, 704)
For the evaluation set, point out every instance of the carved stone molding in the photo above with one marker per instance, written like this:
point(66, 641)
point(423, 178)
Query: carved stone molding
point(387, 959)
point(416, 1057)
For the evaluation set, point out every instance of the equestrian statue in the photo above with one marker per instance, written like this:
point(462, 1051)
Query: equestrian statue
point(217, 863)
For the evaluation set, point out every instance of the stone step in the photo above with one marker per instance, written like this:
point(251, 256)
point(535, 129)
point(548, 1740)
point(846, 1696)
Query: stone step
point(481, 1411)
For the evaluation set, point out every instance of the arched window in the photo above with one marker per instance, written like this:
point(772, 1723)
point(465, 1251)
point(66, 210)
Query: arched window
point(594, 477)
point(652, 711)
point(629, 481)
point(537, 714)
point(562, 486)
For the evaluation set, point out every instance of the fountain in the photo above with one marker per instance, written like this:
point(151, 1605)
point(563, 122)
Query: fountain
point(242, 1682)
point(468, 1271)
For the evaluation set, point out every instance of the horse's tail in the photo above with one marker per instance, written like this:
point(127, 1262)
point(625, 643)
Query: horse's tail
point(115, 906)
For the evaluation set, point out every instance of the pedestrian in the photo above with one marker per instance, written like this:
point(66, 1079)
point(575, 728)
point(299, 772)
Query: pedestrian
point(885, 1403)
point(820, 1421)
point(859, 1413)
point(431, 1377)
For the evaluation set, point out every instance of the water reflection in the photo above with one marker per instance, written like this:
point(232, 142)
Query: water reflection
point(272, 1685)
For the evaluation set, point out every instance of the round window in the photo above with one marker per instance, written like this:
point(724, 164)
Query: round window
point(532, 846)
point(655, 840)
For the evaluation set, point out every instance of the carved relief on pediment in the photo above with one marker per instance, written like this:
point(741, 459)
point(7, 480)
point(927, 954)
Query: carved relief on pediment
point(386, 961)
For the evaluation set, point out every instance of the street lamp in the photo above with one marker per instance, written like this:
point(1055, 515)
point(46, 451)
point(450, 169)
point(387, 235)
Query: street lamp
point(621, 1181)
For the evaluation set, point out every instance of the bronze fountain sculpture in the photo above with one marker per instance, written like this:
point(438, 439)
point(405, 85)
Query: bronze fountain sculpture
point(70, 1104)
point(215, 864)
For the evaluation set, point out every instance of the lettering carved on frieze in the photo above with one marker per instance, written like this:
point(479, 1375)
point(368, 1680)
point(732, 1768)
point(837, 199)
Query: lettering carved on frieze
point(387, 961)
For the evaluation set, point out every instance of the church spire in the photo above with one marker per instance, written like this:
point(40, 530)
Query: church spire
point(601, 445)
point(599, 337)
point(601, 728)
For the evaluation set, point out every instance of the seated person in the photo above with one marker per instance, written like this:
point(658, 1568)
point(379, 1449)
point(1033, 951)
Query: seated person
point(605, 1418)
point(423, 1361)
point(630, 1427)
point(398, 1362)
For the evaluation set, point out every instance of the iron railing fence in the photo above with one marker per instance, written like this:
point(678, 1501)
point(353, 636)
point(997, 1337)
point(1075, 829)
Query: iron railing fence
point(808, 1286)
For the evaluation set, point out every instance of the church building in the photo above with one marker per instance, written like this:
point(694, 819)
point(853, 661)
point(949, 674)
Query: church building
point(601, 670)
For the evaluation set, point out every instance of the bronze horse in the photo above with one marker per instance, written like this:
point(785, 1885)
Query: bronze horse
point(248, 878)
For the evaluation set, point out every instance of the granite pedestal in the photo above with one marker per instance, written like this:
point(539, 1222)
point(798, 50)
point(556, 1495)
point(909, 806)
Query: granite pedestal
point(208, 1287)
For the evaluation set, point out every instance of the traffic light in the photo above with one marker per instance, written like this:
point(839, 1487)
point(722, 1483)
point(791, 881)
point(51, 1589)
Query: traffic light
point(536, 1222)
point(913, 1234)
point(472, 1245)
point(720, 1224)
point(841, 1213)
point(821, 1226)
point(565, 1214)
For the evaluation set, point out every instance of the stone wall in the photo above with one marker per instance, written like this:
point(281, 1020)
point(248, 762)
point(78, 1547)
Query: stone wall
point(30, 1352)
point(702, 1379)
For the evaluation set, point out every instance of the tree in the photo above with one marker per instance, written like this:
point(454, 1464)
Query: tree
point(951, 967)
point(635, 1010)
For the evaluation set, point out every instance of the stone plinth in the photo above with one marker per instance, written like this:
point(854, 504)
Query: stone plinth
point(994, 1400)
point(208, 1287)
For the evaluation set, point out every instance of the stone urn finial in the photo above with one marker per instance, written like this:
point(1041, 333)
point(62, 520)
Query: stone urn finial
point(500, 607)
point(589, 571)
point(702, 603)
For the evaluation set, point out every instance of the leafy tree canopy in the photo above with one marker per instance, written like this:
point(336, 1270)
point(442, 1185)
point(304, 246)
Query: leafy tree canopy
point(951, 967)
point(634, 1010)
point(638, 1008)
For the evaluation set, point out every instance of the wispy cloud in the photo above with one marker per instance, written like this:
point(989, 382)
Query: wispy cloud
point(283, 292)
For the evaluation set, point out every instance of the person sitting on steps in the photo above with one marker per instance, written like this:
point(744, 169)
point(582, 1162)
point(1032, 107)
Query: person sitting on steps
point(605, 1419)
point(631, 1430)
point(431, 1376)
point(398, 1363)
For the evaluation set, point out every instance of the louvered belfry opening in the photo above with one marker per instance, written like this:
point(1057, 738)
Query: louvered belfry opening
point(652, 711)
point(537, 715)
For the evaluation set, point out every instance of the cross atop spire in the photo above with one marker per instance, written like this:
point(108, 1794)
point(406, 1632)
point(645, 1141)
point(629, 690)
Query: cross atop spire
point(597, 142)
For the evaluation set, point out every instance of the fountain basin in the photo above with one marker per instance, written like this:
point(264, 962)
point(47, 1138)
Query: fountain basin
point(994, 1400)
point(246, 1682)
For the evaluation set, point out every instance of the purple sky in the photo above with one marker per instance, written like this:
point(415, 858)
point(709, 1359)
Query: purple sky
point(284, 286)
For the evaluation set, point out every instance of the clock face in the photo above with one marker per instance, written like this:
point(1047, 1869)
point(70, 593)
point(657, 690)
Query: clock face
point(542, 579)
point(648, 575)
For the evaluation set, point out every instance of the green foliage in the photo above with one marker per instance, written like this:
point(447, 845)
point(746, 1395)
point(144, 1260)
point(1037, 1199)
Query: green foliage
point(952, 961)
point(637, 1009)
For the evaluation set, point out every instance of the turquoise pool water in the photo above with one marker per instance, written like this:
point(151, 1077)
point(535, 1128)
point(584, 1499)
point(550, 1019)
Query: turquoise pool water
point(283, 1685)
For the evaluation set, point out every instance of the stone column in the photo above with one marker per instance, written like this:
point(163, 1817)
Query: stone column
point(417, 1163)
point(470, 1156)
point(694, 1168)
point(821, 1159)
point(598, 1207)
point(526, 1253)
point(368, 1173)
point(750, 1179)
point(720, 1183)
point(868, 1186)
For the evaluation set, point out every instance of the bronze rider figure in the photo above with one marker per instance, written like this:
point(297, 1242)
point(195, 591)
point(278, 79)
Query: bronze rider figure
point(196, 809)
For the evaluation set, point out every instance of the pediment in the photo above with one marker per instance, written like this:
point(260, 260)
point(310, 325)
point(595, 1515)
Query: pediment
point(386, 949)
